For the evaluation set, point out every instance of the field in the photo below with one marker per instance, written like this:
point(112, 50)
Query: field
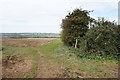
point(49, 58)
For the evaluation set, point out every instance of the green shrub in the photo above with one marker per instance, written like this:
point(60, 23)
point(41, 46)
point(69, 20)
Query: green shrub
point(103, 40)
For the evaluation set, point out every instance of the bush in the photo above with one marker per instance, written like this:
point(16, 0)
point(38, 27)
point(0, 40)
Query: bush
point(103, 40)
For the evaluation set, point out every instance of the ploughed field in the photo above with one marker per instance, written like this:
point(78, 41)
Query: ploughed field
point(28, 42)
point(49, 58)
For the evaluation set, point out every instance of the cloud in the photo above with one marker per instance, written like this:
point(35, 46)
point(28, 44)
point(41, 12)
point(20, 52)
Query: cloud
point(49, 13)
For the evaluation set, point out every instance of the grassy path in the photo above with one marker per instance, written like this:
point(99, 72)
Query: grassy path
point(69, 65)
point(21, 57)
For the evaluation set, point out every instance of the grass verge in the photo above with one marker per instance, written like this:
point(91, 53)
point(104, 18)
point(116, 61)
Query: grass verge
point(76, 66)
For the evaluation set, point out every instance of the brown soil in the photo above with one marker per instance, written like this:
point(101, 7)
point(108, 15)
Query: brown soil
point(33, 42)
point(14, 67)
point(46, 69)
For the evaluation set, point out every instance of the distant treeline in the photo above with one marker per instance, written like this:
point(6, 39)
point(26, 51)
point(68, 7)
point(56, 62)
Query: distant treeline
point(29, 35)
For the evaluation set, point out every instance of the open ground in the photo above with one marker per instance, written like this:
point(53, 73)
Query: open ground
point(49, 58)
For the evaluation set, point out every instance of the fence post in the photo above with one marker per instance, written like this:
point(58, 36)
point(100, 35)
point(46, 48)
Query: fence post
point(76, 43)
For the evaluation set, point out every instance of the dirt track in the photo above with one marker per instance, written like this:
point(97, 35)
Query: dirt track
point(14, 67)
point(47, 69)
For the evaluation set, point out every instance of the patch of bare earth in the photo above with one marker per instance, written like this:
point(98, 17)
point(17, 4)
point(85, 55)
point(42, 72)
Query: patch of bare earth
point(14, 67)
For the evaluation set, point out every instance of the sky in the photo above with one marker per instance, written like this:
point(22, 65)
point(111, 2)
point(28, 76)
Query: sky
point(45, 16)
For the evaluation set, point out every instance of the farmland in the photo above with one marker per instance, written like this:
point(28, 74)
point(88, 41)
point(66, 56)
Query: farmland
point(59, 39)
point(50, 58)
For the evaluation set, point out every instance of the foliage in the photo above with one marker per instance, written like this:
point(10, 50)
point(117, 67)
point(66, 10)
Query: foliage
point(103, 38)
point(74, 26)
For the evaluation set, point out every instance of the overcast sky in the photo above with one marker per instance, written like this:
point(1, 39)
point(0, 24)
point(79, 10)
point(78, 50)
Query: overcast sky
point(46, 15)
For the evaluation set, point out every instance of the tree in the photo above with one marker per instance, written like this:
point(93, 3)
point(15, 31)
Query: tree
point(74, 26)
